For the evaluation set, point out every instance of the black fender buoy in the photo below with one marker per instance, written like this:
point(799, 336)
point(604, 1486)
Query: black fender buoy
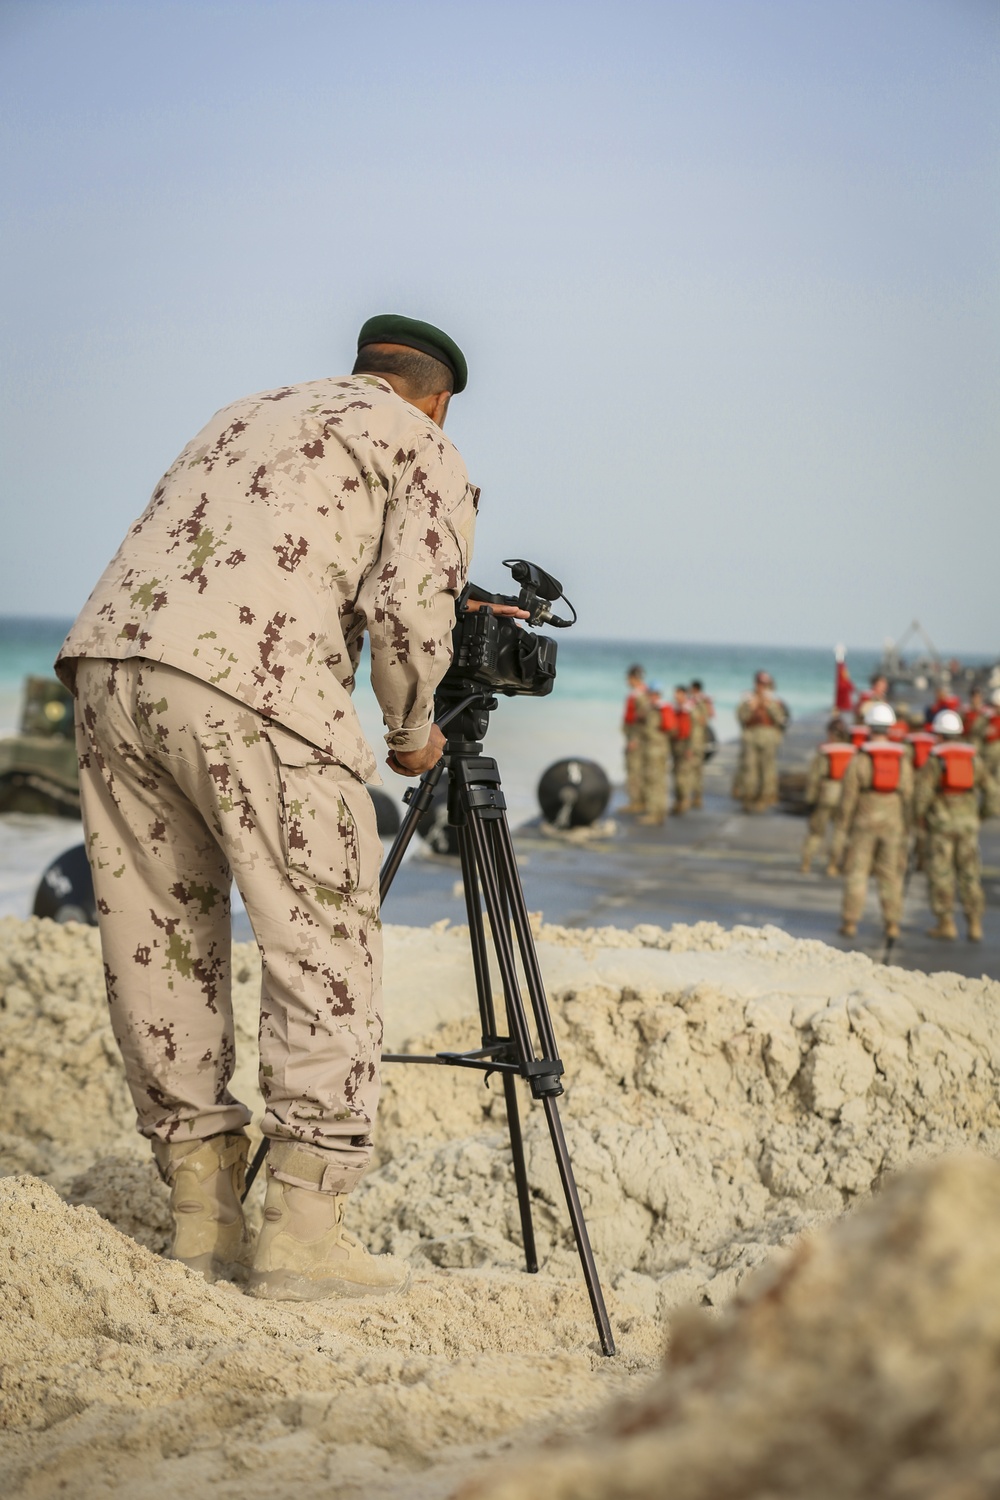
point(434, 828)
point(573, 793)
point(386, 813)
point(66, 891)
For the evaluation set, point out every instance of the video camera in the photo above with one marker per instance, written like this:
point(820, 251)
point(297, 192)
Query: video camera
point(495, 651)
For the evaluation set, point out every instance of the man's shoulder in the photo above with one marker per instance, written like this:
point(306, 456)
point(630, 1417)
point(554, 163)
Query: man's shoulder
point(332, 396)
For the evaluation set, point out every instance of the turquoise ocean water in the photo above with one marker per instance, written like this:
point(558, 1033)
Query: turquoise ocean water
point(581, 718)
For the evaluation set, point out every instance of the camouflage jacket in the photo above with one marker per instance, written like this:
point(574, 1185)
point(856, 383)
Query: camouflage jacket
point(948, 812)
point(754, 712)
point(295, 520)
point(861, 807)
point(702, 713)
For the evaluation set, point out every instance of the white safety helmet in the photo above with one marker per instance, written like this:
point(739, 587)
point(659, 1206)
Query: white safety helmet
point(879, 716)
point(947, 722)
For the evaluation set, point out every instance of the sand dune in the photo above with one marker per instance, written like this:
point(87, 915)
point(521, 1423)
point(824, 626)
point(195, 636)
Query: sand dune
point(728, 1094)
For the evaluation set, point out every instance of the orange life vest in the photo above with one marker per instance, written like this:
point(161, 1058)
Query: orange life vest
point(959, 763)
point(859, 733)
point(898, 731)
point(632, 708)
point(887, 761)
point(668, 718)
point(921, 742)
point(683, 729)
point(837, 756)
point(993, 733)
point(970, 719)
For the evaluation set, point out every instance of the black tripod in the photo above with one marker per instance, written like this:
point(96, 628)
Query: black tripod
point(477, 810)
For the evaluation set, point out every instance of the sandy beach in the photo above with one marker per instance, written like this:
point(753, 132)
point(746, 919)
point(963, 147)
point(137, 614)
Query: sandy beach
point(730, 1097)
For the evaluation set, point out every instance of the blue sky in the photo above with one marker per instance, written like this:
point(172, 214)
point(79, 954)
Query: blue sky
point(726, 274)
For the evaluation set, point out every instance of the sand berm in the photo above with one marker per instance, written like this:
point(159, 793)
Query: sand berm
point(731, 1096)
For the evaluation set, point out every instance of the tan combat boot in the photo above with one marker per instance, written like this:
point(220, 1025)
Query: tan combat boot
point(848, 929)
point(804, 865)
point(303, 1252)
point(891, 931)
point(944, 928)
point(833, 868)
point(975, 928)
point(206, 1181)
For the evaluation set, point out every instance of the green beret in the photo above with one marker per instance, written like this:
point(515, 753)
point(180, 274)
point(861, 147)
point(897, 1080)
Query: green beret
point(393, 328)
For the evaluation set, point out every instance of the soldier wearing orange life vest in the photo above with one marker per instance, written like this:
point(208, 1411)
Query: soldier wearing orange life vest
point(948, 794)
point(874, 817)
point(682, 751)
point(824, 787)
point(636, 710)
point(920, 743)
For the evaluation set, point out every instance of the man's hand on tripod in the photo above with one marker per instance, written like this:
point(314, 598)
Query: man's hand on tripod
point(416, 762)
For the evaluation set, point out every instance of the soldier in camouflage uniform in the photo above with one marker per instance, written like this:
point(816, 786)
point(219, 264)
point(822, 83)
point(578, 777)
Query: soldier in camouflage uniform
point(951, 817)
point(213, 667)
point(702, 713)
point(875, 823)
point(823, 792)
point(633, 721)
point(988, 740)
point(763, 719)
point(655, 753)
point(681, 752)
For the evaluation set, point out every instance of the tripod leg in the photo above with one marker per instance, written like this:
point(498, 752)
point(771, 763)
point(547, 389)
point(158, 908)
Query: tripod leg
point(510, 881)
point(520, 1172)
point(484, 990)
point(590, 1275)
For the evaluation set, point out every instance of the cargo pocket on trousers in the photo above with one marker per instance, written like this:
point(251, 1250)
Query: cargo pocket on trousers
point(329, 834)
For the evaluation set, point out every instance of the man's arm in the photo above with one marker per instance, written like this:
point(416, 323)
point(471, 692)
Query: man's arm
point(815, 777)
point(849, 796)
point(408, 598)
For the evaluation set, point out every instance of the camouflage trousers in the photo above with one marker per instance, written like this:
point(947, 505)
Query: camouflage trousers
point(654, 778)
point(182, 790)
point(684, 776)
point(697, 775)
point(880, 852)
point(757, 775)
point(823, 817)
point(954, 854)
point(633, 771)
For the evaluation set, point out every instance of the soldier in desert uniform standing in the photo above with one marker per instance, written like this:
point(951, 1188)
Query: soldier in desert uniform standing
point(657, 728)
point(824, 787)
point(875, 816)
point(763, 719)
point(949, 793)
point(681, 751)
point(633, 720)
point(702, 713)
point(213, 667)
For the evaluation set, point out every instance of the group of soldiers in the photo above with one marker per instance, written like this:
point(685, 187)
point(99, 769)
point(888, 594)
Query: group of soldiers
point(897, 797)
point(664, 740)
